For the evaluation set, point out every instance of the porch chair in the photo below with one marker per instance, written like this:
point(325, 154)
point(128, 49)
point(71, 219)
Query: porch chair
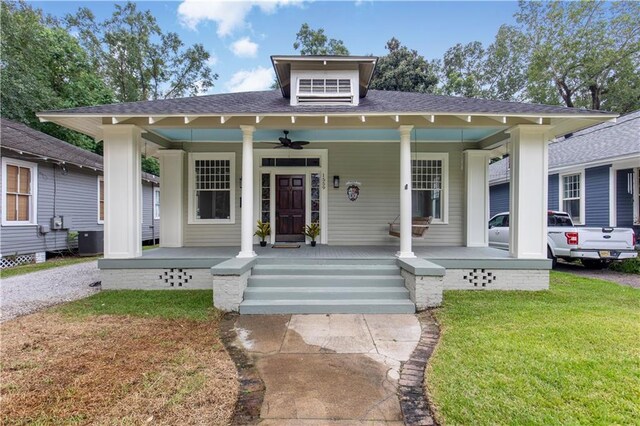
point(419, 226)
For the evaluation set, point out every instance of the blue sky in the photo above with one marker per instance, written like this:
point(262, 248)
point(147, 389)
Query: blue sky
point(241, 35)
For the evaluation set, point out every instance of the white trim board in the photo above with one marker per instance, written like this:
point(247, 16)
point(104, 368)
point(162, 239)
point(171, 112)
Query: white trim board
point(258, 170)
point(33, 207)
point(193, 156)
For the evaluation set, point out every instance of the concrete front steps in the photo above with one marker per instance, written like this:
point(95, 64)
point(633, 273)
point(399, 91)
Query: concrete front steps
point(288, 288)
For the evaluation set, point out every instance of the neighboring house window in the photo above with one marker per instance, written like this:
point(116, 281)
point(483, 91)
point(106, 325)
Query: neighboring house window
point(571, 196)
point(212, 188)
point(430, 184)
point(100, 199)
point(156, 203)
point(19, 184)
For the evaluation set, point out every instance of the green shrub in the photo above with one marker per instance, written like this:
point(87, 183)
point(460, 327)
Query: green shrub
point(629, 266)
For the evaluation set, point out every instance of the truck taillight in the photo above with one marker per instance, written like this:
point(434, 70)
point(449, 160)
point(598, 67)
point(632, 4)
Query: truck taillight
point(572, 238)
point(634, 239)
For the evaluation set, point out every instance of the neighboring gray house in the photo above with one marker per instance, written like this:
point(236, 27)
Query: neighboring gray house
point(45, 178)
point(594, 175)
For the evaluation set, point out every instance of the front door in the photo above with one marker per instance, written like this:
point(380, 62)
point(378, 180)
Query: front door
point(290, 202)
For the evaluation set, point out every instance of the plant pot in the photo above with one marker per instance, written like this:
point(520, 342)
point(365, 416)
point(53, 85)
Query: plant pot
point(263, 243)
point(313, 243)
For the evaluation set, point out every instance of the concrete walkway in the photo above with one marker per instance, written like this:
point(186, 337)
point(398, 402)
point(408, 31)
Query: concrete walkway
point(28, 293)
point(329, 369)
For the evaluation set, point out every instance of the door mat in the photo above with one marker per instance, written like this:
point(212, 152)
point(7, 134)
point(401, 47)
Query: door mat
point(286, 245)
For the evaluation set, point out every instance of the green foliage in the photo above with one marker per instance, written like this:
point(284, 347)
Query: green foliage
point(150, 165)
point(629, 266)
point(563, 356)
point(264, 230)
point(315, 42)
point(312, 231)
point(138, 59)
point(583, 54)
point(187, 304)
point(463, 70)
point(404, 70)
point(43, 68)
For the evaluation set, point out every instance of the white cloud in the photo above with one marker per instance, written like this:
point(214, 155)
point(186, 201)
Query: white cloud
point(228, 15)
point(249, 80)
point(213, 60)
point(245, 48)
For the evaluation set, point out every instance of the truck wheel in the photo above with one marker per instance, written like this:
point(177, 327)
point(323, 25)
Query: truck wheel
point(593, 263)
point(550, 256)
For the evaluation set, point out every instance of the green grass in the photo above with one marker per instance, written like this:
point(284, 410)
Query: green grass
point(187, 304)
point(570, 355)
point(51, 263)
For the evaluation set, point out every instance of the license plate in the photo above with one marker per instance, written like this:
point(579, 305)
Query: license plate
point(605, 253)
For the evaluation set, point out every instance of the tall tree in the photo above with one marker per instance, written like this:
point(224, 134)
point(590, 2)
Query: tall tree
point(138, 59)
point(315, 42)
point(462, 70)
point(404, 70)
point(495, 72)
point(505, 66)
point(43, 67)
point(582, 51)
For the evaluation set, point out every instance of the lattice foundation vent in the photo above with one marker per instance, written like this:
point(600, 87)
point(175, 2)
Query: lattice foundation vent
point(11, 261)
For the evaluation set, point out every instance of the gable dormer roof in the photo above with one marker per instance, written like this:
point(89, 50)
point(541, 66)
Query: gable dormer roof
point(283, 64)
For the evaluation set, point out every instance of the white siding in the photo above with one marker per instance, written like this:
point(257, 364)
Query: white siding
point(365, 221)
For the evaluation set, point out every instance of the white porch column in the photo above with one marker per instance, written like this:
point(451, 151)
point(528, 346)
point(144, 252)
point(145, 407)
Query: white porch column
point(247, 225)
point(405, 192)
point(122, 191)
point(528, 191)
point(171, 197)
point(476, 176)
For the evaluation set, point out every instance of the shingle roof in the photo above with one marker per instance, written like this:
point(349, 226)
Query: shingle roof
point(21, 138)
point(272, 102)
point(600, 142)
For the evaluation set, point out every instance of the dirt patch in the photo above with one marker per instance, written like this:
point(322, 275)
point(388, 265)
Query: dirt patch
point(114, 369)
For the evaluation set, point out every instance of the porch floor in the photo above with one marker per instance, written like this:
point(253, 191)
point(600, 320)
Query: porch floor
point(206, 257)
point(323, 251)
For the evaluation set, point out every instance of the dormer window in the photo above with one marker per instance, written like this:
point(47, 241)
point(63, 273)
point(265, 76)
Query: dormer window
point(324, 91)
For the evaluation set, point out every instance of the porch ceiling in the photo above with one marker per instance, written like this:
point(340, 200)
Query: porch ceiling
point(328, 135)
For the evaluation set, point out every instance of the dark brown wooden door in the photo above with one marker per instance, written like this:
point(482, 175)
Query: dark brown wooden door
point(290, 203)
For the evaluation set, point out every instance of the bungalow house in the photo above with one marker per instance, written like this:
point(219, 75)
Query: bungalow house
point(50, 189)
point(594, 175)
point(415, 160)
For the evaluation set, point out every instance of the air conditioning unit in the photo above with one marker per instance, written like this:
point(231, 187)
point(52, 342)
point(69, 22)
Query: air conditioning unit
point(90, 243)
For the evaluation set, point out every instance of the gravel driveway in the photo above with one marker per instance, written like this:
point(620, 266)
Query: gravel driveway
point(25, 294)
point(621, 278)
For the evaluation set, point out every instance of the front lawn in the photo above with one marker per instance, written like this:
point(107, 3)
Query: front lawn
point(51, 263)
point(570, 355)
point(118, 357)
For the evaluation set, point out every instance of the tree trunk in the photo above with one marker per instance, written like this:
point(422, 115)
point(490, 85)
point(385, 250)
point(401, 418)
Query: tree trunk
point(596, 93)
point(565, 92)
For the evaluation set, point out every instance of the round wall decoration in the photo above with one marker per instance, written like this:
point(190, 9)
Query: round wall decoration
point(353, 191)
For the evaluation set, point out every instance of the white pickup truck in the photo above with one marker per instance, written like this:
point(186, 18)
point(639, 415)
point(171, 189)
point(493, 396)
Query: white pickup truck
point(595, 247)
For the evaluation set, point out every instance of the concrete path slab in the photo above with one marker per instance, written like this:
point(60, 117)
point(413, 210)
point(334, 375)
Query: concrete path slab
point(329, 369)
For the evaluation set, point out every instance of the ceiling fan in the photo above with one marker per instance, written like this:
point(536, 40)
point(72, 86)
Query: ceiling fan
point(285, 142)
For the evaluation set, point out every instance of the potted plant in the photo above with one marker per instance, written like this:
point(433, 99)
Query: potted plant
point(312, 231)
point(264, 230)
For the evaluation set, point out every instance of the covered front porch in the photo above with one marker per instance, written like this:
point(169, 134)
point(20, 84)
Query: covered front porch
point(364, 159)
point(352, 278)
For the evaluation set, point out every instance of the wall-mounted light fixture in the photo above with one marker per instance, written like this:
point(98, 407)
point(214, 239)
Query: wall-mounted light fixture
point(336, 182)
